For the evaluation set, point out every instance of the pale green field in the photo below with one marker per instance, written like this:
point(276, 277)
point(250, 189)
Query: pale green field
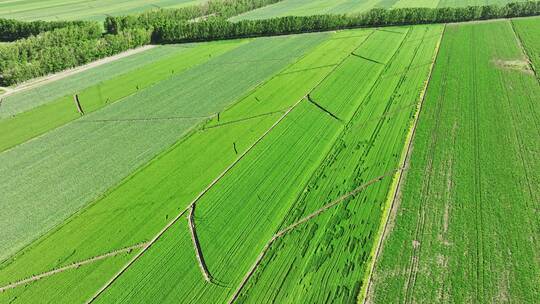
point(82, 9)
point(314, 7)
point(49, 178)
point(39, 95)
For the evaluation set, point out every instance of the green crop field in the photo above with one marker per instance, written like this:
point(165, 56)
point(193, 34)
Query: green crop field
point(314, 7)
point(467, 224)
point(130, 213)
point(28, 124)
point(39, 95)
point(127, 134)
point(323, 159)
point(82, 10)
point(378, 129)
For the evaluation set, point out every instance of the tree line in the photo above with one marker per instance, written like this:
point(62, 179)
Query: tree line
point(11, 30)
point(48, 47)
point(213, 28)
point(213, 8)
point(61, 49)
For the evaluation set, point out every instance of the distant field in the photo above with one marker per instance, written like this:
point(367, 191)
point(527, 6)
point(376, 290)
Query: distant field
point(466, 226)
point(82, 10)
point(139, 73)
point(29, 99)
point(313, 7)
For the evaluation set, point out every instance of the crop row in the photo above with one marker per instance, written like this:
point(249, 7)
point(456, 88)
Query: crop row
point(238, 216)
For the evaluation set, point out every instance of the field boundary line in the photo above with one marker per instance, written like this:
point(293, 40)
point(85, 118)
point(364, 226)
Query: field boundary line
point(69, 72)
point(197, 245)
point(146, 119)
point(524, 50)
point(231, 122)
point(305, 219)
point(71, 266)
point(307, 69)
point(320, 107)
point(368, 59)
point(397, 183)
point(195, 200)
point(382, 29)
point(297, 58)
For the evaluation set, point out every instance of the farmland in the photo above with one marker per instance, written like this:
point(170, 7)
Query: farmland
point(238, 126)
point(128, 127)
point(373, 158)
point(309, 7)
point(81, 10)
point(377, 128)
point(470, 193)
point(63, 110)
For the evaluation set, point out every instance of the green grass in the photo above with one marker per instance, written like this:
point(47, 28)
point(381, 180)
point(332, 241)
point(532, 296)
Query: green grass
point(129, 214)
point(332, 251)
point(417, 3)
point(97, 151)
point(24, 126)
point(82, 10)
point(49, 92)
point(467, 227)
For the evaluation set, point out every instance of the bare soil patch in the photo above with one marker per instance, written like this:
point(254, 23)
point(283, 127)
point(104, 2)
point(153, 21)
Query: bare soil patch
point(516, 65)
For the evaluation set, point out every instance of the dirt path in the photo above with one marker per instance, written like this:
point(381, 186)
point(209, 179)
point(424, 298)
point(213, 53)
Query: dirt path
point(57, 76)
point(300, 222)
point(197, 245)
point(72, 266)
point(405, 164)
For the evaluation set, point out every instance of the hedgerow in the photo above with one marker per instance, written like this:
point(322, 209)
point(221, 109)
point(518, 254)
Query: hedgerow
point(11, 30)
point(152, 19)
point(212, 28)
point(63, 48)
